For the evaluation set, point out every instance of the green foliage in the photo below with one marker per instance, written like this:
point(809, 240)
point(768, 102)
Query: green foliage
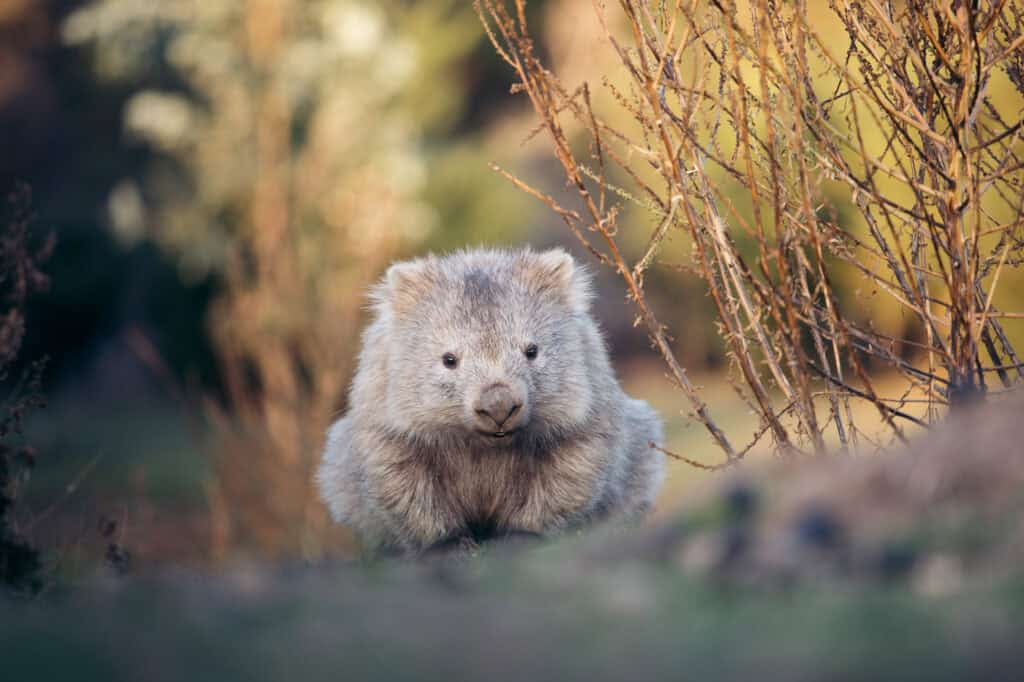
point(357, 89)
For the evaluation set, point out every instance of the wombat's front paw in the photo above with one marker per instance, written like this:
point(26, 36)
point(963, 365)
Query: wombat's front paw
point(466, 545)
point(456, 546)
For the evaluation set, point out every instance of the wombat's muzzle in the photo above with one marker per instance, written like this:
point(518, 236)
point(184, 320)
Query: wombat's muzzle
point(499, 410)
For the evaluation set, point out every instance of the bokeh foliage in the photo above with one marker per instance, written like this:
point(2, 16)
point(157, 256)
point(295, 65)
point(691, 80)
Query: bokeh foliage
point(293, 148)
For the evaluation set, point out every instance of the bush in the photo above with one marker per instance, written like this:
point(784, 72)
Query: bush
point(806, 178)
point(19, 278)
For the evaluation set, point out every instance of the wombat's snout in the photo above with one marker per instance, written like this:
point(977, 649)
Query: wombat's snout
point(498, 410)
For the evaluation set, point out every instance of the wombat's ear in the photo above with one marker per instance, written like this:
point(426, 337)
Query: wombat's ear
point(404, 286)
point(556, 270)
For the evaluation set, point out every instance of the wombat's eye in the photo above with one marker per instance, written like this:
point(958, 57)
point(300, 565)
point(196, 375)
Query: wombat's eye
point(531, 351)
point(450, 361)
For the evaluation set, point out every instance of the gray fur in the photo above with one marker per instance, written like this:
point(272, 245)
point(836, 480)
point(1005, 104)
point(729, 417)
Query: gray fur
point(410, 465)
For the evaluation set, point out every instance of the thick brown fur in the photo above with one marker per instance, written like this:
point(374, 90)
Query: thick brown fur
point(419, 460)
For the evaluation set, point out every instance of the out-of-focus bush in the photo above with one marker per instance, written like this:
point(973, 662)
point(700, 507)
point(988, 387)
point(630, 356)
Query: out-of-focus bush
point(290, 141)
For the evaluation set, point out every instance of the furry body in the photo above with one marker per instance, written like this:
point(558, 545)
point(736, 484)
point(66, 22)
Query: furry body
point(427, 452)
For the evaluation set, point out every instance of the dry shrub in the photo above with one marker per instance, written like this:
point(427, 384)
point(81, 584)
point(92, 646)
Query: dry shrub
point(20, 277)
point(287, 162)
point(791, 166)
point(318, 228)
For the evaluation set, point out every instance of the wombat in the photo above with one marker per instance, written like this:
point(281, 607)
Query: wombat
point(483, 406)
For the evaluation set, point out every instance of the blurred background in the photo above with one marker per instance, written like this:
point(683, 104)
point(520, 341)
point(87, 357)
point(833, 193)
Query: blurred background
point(223, 180)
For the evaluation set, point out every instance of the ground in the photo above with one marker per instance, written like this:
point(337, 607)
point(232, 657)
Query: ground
point(894, 566)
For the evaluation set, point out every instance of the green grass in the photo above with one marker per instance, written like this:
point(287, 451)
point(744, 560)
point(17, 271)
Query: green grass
point(115, 451)
point(554, 613)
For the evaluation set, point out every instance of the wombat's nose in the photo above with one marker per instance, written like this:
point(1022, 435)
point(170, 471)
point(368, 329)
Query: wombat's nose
point(498, 409)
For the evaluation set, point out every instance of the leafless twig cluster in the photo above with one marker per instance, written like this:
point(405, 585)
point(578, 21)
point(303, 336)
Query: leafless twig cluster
point(20, 277)
point(738, 127)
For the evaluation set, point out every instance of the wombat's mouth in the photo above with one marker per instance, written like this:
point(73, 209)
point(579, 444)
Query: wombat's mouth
point(498, 434)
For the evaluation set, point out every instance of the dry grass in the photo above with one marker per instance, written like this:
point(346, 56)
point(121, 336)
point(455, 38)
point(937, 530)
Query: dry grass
point(737, 126)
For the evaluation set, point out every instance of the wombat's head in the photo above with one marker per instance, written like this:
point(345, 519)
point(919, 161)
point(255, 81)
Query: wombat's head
point(491, 343)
